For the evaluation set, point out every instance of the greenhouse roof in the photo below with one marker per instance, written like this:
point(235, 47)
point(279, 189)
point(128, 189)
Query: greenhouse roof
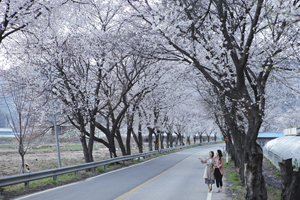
point(285, 147)
point(270, 135)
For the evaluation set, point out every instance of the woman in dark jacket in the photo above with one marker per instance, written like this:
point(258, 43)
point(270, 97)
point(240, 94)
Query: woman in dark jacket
point(219, 170)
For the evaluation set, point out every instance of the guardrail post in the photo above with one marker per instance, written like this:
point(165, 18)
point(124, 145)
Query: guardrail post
point(93, 169)
point(104, 167)
point(55, 178)
point(26, 184)
point(132, 159)
point(76, 173)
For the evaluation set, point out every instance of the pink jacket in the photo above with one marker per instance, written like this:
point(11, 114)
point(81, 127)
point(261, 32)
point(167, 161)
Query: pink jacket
point(219, 164)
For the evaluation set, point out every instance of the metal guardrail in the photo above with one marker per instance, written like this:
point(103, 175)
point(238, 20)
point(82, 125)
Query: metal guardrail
point(25, 178)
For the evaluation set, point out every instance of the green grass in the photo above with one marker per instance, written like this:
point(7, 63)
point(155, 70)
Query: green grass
point(8, 146)
point(44, 148)
point(9, 139)
point(19, 189)
point(278, 174)
point(273, 193)
point(72, 146)
point(233, 177)
point(268, 163)
point(65, 178)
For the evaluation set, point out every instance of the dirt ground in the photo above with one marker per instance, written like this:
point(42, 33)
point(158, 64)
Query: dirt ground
point(42, 154)
point(10, 160)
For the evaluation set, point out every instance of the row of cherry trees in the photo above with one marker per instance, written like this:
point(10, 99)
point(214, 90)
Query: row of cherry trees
point(235, 46)
point(103, 74)
point(129, 66)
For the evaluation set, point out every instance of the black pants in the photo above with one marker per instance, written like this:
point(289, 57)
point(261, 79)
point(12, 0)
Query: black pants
point(218, 177)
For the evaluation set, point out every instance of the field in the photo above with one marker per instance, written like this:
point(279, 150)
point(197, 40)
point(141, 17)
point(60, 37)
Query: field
point(42, 154)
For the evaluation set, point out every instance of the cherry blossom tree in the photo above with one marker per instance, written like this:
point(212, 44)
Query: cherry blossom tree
point(235, 45)
point(20, 99)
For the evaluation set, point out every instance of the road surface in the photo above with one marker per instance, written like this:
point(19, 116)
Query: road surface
point(176, 176)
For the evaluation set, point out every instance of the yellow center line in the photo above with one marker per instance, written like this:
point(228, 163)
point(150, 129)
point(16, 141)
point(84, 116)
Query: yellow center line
point(155, 177)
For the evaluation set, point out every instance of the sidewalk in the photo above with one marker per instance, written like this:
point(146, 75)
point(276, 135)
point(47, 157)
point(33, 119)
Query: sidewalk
point(224, 195)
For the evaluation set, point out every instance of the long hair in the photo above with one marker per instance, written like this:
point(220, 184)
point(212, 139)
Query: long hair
point(212, 154)
point(220, 154)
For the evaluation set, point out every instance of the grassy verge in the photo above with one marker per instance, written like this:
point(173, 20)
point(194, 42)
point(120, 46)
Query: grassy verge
point(238, 191)
point(231, 172)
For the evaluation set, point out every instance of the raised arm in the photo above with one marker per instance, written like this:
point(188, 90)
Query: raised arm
point(203, 161)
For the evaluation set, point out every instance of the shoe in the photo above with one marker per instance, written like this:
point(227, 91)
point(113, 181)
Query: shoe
point(218, 191)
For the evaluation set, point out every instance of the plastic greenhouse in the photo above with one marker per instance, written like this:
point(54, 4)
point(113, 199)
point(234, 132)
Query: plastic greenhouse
point(283, 148)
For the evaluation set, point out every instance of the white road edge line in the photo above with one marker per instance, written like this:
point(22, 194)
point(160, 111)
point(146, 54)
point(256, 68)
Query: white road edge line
point(208, 197)
point(48, 190)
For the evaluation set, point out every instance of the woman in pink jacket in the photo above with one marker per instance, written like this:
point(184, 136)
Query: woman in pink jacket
point(219, 170)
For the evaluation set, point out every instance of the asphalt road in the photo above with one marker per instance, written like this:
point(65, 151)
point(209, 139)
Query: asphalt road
point(176, 176)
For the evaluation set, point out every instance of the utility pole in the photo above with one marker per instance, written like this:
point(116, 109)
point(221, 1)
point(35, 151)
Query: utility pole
point(54, 119)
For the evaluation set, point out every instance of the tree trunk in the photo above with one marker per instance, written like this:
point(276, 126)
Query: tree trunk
point(138, 139)
point(180, 139)
point(23, 163)
point(231, 151)
point(156, 142)
point(162, 137)
point(85, 149)
point(188, 140)
point(239, 153)
point(236, 134)
point(128, 145)
point(171, 140)
point(128, 138)
point(290, 181)
point(129, 131)
point(120, 142)
point(22, 153)
point(112, 147)
point(254, 179)
point(91, 141)
point(150, 133)
point(168, 140)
